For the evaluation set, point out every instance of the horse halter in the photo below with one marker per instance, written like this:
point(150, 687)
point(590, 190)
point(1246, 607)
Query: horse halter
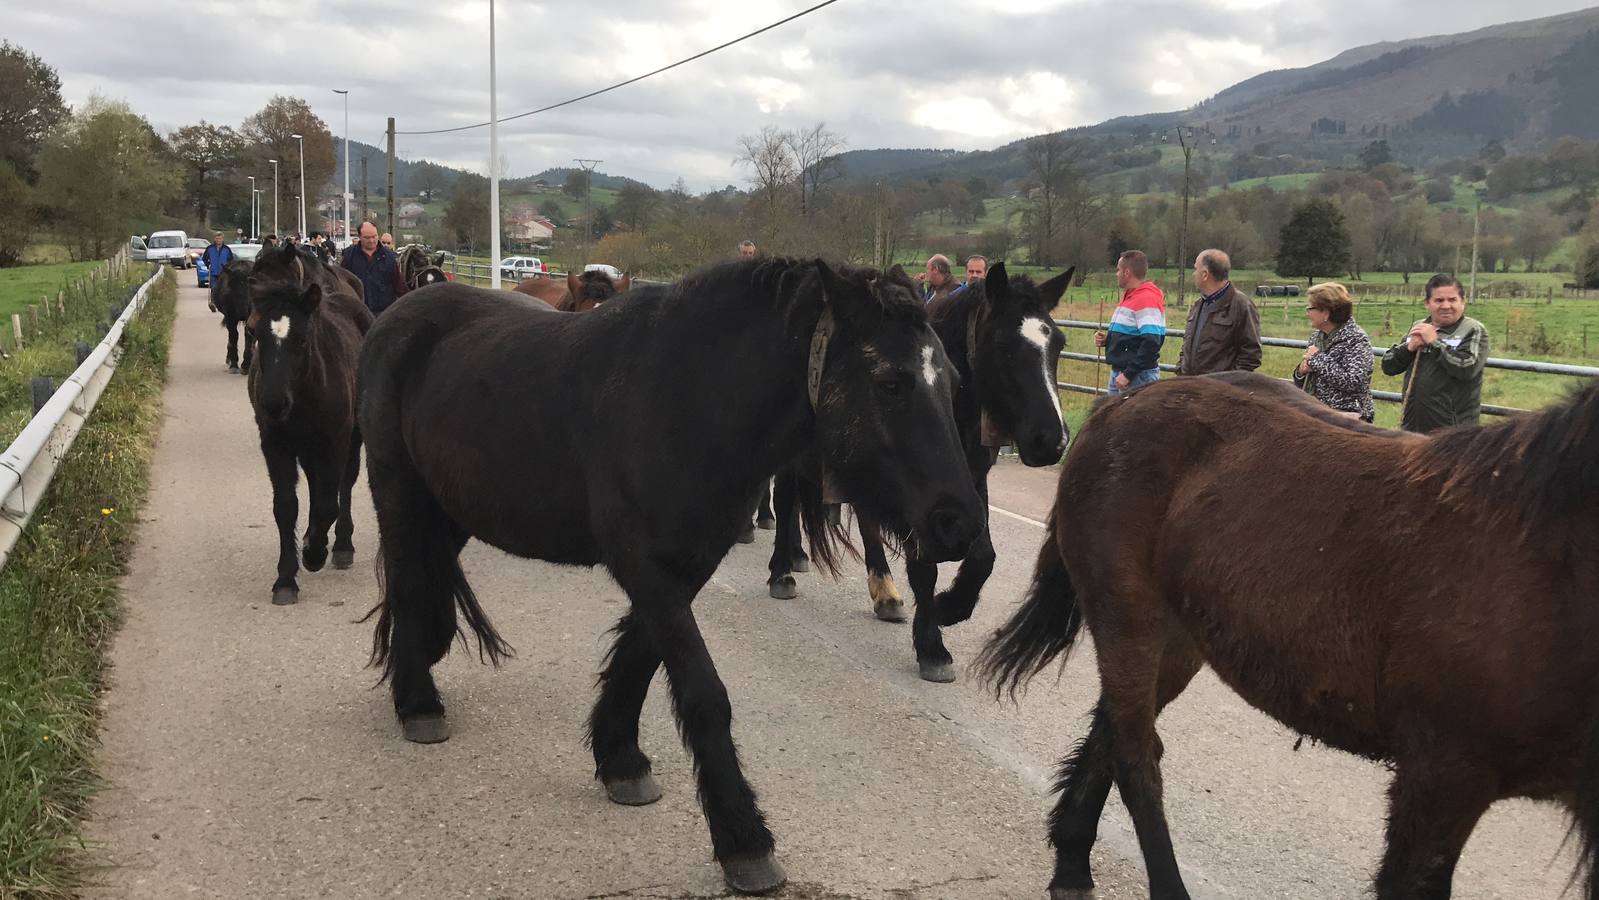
point(819, 341)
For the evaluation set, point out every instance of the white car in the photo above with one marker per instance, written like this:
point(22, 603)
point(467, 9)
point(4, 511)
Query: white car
point(611, 272)
point(245, 251)
point(169, 247)
point(520, 267)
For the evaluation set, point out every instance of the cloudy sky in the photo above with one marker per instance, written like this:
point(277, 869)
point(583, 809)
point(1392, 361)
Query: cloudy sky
point(884, 73)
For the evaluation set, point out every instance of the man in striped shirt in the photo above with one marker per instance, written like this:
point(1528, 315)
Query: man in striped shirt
point(1137, 327)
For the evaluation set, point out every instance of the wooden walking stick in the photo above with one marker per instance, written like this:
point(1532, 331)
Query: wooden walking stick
point(1099, 355)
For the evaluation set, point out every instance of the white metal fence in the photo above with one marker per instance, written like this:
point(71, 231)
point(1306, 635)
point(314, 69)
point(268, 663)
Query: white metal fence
point(30, 462)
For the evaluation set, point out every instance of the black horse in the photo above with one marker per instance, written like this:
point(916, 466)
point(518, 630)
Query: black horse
point(1003, 342)
point(632, 437)
point(308, 327)
point(232, 300)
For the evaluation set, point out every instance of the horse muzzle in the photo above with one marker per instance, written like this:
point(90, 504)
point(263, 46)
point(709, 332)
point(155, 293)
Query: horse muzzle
point(948, 530)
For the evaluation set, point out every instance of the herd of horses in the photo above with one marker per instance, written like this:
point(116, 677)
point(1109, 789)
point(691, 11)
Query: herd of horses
point(1427, 602)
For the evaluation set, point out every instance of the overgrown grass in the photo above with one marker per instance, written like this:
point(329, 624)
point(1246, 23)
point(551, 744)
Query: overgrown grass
point(58, 607)
point(22, 286)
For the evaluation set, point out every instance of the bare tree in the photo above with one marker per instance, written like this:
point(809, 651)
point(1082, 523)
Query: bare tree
point(815, 159)
point(207, 152)
point(1055, 166)
point(772, 169)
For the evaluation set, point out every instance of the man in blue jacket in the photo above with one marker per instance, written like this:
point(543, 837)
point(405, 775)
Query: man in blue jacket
point(377, 267)
point(216, 256)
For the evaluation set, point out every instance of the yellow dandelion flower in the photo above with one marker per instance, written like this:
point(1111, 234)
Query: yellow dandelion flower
point(107, 510)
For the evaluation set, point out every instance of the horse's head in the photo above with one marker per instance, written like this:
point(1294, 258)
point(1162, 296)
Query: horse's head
point(593, 288)
point(284, 295)
point(884, 416)
point(1016, 357)
point(233, 287)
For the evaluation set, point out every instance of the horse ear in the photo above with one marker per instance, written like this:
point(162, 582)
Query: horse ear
point(996, 285)
point(624, 284)
point(897, 272)
point(837, 292)
point(1053, 289)
point(311, 298)
point(574, 285)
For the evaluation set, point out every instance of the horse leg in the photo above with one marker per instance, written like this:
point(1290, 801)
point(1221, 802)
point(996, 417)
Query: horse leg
point(746, 526)
point(740, 839)
point(232, 359)
point(956, 603)
point(421, 578)
point(249, 350)
point(764, 519)
point(1433, 805)
point(932, 659)
point(619, 764)
point(886, 602)
point(322, 472)
point(1130, 649)
point(780, 582)
point(344, 526)
point(284, 474)
point(1084, 783)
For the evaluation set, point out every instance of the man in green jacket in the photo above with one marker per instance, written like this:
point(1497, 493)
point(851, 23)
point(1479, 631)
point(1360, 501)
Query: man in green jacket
point(1442, 360)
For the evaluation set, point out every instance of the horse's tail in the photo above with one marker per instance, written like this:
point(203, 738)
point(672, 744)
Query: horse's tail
point(1585, 814)
point(441, 570)
point(1046, 626)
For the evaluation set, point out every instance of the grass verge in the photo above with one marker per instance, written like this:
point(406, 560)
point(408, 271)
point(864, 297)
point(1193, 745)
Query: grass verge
point(58, 608)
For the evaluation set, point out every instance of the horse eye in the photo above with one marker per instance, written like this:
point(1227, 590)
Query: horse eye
point(890, 386)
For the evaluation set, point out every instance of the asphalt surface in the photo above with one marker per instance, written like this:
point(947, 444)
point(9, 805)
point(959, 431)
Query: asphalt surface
point(249, 754)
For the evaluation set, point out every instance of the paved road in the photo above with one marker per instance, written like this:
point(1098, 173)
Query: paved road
point(250, 756)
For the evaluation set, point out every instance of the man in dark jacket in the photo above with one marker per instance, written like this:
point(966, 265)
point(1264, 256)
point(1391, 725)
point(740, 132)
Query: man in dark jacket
point(377, 267)
point(1137, 327)
point(1223, 330)
point(1442, 359)
point(216, 256)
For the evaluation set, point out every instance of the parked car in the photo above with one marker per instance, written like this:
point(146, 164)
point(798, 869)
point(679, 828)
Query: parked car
point(196, 247)
point(202, 272)
point(168, 246)
point(245, 251)
point(611, 272)
point(520, 267)
point(137, 251)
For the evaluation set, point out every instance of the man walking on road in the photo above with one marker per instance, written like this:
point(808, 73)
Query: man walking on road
point(216, 256)
point(377, 267)
point(1223, 330)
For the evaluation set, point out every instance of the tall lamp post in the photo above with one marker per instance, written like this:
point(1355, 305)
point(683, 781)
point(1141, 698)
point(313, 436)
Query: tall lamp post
point(255, 222)
point(252, 206)
point(274, 197)
point(346, 161)
point(494, 163)
point(301, 139)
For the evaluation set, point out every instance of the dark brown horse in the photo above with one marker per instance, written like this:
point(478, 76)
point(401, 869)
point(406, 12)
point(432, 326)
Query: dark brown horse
point(308, 327)
point(579, 293)
point(1427, 602)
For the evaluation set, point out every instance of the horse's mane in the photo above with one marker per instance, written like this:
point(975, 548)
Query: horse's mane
point(1541, 467)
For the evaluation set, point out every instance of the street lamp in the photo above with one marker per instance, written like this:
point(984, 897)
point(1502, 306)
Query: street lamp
point(301, 139)
point(255, 209)
point(346, 161)
point(252, 206)
point(494, 162)
point(274, 197)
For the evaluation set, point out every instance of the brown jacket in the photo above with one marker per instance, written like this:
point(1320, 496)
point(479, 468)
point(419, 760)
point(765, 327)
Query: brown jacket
point(1230, 340)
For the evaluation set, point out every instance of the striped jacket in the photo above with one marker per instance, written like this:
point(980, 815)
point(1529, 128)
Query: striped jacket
point(1137, 329)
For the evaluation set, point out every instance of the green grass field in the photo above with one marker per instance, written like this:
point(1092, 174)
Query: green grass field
point(23, 286)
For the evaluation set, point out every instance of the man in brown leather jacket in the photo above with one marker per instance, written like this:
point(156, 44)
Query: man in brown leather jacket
point(1223, 330)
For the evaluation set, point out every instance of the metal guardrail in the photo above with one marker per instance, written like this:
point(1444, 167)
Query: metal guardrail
point(1514, 365)
point(30, 462)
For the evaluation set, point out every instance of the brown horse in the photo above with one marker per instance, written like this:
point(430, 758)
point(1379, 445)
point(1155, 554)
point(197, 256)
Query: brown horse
point(1427, 602)
point(580, 293)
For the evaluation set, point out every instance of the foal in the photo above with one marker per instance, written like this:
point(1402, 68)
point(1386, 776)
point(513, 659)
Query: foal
point(308, 327)
point(233, 301)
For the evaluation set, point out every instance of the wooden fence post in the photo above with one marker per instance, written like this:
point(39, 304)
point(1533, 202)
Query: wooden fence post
point(16, 329)
point(33, 321)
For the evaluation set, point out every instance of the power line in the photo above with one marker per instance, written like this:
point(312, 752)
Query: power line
point(620, 84)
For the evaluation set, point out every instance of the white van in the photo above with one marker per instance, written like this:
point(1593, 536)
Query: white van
point(168, 246)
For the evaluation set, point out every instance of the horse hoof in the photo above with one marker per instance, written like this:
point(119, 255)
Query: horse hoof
point(1061, 893)
point(890, 611)
point(765, 523)
point(285, 596)
point(937, 672)
point(753, 875)
point(801, 565)
point(640, 791)
point(426, 729)
point(315, 558)
point(343, 559)
point(233, 370)
point(783, 588)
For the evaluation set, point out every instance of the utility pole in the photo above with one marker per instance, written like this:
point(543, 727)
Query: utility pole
point(877, 232)
point(346, 161)
point(494, 163)
point(588, 166)
point(1182, 236)
point(364, 198)
point(390, 229)
point(274, 198)
point(1476, 231)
